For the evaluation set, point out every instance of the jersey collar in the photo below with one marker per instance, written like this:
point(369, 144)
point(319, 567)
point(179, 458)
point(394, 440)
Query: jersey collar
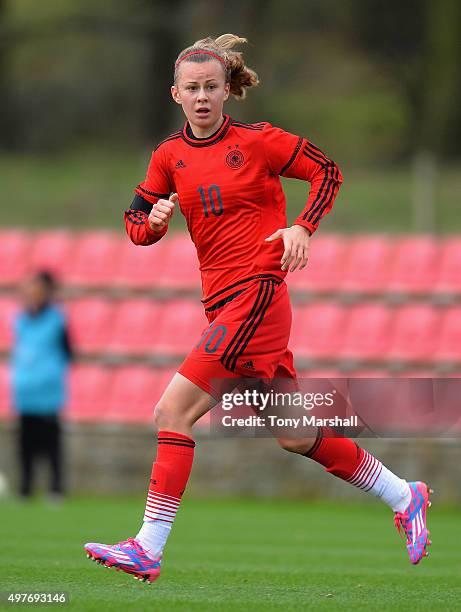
point(206, 142)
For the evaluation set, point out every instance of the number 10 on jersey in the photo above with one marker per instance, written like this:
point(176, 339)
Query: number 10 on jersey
point(211, 200)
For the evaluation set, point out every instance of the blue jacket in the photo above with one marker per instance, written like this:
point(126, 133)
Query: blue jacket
point(40, 361)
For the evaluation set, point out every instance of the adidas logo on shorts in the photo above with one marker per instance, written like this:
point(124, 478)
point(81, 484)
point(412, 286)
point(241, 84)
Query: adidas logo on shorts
point(249, 365)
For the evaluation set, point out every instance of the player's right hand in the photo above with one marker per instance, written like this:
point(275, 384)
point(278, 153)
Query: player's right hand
point(162, 212)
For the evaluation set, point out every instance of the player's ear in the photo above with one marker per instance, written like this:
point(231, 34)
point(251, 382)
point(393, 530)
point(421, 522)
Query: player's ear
point(175, 94)
point(226, 91)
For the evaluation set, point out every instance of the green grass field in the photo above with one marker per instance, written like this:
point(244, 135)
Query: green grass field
point(91, 188)
point(234, 555)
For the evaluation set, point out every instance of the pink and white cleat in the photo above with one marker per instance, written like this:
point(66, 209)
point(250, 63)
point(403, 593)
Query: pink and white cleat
point(412, 522)
point(128, 556)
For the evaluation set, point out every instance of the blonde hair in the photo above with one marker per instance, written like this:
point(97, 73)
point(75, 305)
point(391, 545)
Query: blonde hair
point(238, 75)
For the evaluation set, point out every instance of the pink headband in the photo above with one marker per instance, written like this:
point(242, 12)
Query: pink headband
point(198, 52)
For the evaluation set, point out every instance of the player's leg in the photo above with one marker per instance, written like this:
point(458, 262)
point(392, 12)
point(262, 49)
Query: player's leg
point(26, 449)
point(53, 452)
point(343, 458)
point(181, 405)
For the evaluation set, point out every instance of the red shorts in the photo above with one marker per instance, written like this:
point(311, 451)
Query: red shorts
point(247, 337)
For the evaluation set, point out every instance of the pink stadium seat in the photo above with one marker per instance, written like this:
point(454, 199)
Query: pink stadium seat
point(133, 395)
point(320, 373)
point(140, 266)
point(368, 373)
point(449, 274)
point(94, 260)
point(415, 265)
point(8, 309)
point(367, 265)
point(324, 271)
point(164, 377)
point(181, 326)
point(135, 326)
point(52, 250)
point(449, 336)
point(366, 332)
point(91, 323)
point(88, 393)
point(14, 256)
point(414, 333)
point(317, 330)
point(180, 269)
point(6, 411)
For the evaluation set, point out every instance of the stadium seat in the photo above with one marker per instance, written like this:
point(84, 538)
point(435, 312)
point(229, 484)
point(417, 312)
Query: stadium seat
point(449, 273)
point(53, 251)
point(94, 260)
point(5, 393)
point(180, 268)
point(317, 330)
point(320, 373)
point(135, 327)
point(324, 271)
point(91, 323)
point(181, 325)
point(448, 348)
point(134, 392)
point(88, 393)
point(366, 268)
point(140, 267)
point(366, 333)
point(8, 309)
point(414, 333)
point(414, 267)
point(14, 256)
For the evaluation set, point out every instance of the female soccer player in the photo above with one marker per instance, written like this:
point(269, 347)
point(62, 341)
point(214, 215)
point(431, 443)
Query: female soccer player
point(224, 175)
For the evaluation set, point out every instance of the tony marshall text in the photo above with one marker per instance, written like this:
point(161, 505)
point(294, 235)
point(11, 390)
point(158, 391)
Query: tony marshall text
point(275, 421)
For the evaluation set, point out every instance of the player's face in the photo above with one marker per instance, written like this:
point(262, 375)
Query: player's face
point(201, 89)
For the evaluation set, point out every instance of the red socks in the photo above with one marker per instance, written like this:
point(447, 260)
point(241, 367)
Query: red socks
point(170, 473)
point(339, 456)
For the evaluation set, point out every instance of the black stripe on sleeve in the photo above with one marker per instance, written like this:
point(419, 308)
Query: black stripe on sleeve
point(318, 158)
point(333, 185)
point(134, 217)
point(293, 156)
point(153, 193)
point(316, 151)
point(140, 203)
point(325, 194)
point(320, 196)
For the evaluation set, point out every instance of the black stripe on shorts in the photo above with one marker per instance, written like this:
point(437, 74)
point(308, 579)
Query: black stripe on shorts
point(247, 329)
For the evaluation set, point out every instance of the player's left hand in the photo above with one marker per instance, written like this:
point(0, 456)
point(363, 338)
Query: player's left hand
point(296, 243)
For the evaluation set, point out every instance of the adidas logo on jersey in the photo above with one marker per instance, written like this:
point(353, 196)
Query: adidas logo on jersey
point(180, 164)
point(249, 365)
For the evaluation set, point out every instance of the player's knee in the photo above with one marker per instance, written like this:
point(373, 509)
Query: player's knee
point(292, 445)
point(166, 417)
point(296, 445)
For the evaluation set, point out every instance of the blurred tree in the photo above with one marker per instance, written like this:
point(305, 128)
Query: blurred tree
point(8, 129)
point(441, 78)
point(417, 43)
point(164, 36)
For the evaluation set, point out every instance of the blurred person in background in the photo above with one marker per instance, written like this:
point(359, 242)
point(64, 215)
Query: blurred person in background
point(40, 362)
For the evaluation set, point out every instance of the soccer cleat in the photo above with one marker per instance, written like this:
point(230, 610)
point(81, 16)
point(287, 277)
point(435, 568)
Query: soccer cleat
point(128, 556)
point(412, 522)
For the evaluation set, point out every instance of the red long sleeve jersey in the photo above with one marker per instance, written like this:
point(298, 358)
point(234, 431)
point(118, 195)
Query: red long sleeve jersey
point(232, 198)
